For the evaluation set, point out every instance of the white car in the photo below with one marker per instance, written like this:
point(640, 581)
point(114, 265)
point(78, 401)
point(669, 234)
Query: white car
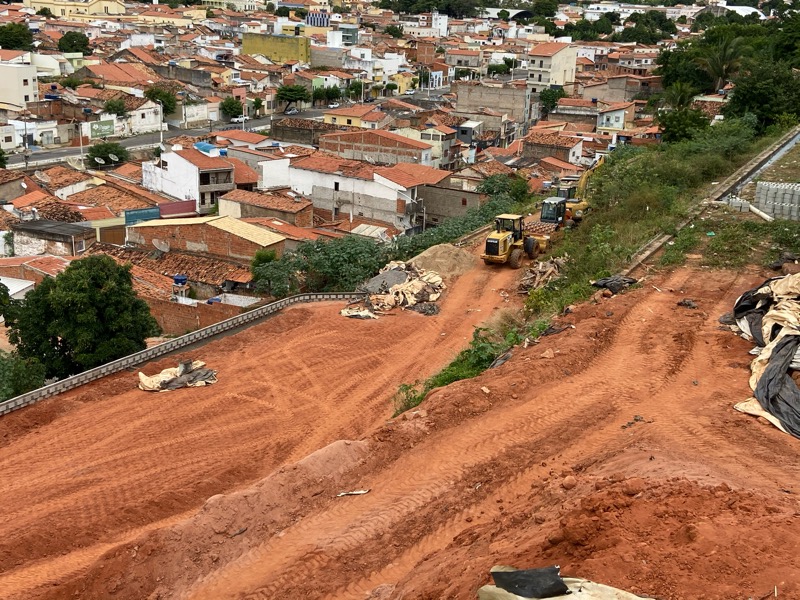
point(409, 92)
point(333, 105)
point(291, 111)
point(240, 119)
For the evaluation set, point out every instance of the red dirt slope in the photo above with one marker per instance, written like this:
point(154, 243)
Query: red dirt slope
point(620, 459)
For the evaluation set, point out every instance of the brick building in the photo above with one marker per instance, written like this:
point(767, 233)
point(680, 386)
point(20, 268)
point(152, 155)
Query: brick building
point(382, 147)
point(221, 237)
point(542, 145)
point(280, 204)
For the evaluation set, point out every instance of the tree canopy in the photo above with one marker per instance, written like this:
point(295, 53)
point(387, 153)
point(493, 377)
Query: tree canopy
point(115, 107)
point(396, 31)
point(549, 99)
point(232, 107)
point(86, 316)
point(292, 94)
point(165, 95)
point(74, 41)
point(16, 36)
point(104, 150)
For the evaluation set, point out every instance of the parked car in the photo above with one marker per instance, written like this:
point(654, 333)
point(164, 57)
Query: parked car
point(333, 105)
point(240, 119)
point(291, 111)
point(369, 99)
point(409, 92)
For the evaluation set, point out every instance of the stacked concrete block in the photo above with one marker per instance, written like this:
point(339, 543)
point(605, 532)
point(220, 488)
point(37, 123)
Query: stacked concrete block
point(737, 204)
point(781, 200)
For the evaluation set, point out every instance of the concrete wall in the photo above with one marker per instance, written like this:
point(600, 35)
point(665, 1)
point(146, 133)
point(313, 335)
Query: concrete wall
point(195, 77)
point(302, 135)
point(178, 319)
point(278, 48)
point(781, 200)
point(443, 202)
point(322, 56)
point(144, 356)
point(514, 101)
point(369, 146)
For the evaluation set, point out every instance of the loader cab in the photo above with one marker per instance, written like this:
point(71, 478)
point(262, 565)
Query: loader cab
point(554, 210)
point(513, 224)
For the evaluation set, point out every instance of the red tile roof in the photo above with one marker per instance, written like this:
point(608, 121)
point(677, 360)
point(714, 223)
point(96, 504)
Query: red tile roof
point(203, 161)
point(243, 174)
point(410, 175)
point(548, 49)
point(276, 201)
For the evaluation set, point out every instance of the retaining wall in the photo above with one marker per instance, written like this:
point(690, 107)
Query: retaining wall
point(780, 200)
point(149, 354)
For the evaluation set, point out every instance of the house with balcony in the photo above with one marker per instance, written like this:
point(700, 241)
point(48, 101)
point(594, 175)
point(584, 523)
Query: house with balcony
point(188, 174)
point(550, 65)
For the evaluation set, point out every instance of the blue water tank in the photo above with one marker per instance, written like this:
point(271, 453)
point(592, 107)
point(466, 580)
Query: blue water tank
point(180, 279)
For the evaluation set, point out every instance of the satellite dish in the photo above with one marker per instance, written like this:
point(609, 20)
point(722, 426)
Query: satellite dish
point(42, 176)
point(23, 185)
point(99, 160)
point(161, 245)
point(76, 163)
point(113, 157)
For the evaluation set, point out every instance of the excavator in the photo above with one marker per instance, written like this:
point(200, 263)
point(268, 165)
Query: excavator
point(512, 238)
point(573, 189)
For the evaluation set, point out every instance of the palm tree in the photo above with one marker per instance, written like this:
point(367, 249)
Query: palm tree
point(722, 61)
point(678, 96)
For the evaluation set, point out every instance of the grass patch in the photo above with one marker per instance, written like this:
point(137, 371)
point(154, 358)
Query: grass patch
point(687, 240)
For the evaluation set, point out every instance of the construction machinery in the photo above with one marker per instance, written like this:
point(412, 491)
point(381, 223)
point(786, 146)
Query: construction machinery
point(554, 217)
point(509, 242)
point(573, 190)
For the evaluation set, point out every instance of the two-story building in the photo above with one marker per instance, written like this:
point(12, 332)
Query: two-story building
point(377, 147)
point(444, 146)
point(359, 115)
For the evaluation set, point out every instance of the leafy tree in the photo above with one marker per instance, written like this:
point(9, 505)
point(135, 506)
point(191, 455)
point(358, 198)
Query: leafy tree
point(231, 107)
point(104, 150)
point(463, 73)
point(74, 41)
point(391, 87)
point(722, 60)
point(84, 317)
point(682, 124)
point(458, 9)
point(209, 14)
point(262, 257)
point(45, 12)
point(678, 96)
point(396, 31)
point(3, 159)
point(282, 11)
point(682, 64)
point(766, 89)
point(613, 17)
point(549, 99)
point(544, 8)
point(498, 69)
point(115, 107)
point(292, 94)
point(318, 95)
point(16, 36)
point(603, 26)
point(269, 7)
point(503, 15)
point(5, 301)
point(355, 89)
point(19, 375)
point(72, 82)
point(159, 93)
point(332, 93)
point(258, 104)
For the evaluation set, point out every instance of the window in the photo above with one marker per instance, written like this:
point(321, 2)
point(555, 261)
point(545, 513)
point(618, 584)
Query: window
point(349, 121)
point(335, 186)
point(464, 132)
point(616, 119)
point(164, 164)
point(8, 139)
point(27, 98)
point(540, 76)
point(143, 115)
point(202, 199)
point(463, 202)
point(24, 82)
point(333, 120)
point(80, 245)
point(541, 64)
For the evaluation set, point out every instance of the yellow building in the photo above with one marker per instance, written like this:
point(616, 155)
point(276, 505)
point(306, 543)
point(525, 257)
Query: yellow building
point(69, 8)
point(278, 48)
point(404, 81)
point(358, 115)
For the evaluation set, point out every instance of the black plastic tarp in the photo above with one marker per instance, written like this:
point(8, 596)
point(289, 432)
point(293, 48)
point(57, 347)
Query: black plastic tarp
point(776, 391)
point(532, 583)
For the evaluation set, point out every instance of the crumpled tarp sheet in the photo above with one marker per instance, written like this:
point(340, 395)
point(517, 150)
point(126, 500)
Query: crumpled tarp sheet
point(184, 375)
point(769, 315)
point(615, 283)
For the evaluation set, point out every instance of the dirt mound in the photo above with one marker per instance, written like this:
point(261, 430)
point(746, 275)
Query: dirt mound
point(445, 259)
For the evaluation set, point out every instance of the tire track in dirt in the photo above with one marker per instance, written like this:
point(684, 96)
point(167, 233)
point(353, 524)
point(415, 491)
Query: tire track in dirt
point(419, 484)
point(122, 458)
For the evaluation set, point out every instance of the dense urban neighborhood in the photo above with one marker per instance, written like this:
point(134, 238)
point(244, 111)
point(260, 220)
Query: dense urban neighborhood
point(462, 292)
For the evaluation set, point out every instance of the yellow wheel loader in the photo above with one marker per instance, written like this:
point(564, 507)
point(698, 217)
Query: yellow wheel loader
point(509, 242)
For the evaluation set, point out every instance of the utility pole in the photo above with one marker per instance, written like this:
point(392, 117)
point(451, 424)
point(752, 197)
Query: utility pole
point(160, 122)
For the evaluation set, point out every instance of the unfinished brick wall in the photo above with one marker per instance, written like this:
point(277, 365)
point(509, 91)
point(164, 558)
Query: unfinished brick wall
point(178, 319)
point(200, 238)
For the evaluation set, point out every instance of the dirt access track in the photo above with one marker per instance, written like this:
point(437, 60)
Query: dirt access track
point(620, 458)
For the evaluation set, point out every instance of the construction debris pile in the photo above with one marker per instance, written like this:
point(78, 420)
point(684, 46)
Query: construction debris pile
point(769, 315)
point(444, 259)
point(541, 273)
point(402, 285)
point(187, 374)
